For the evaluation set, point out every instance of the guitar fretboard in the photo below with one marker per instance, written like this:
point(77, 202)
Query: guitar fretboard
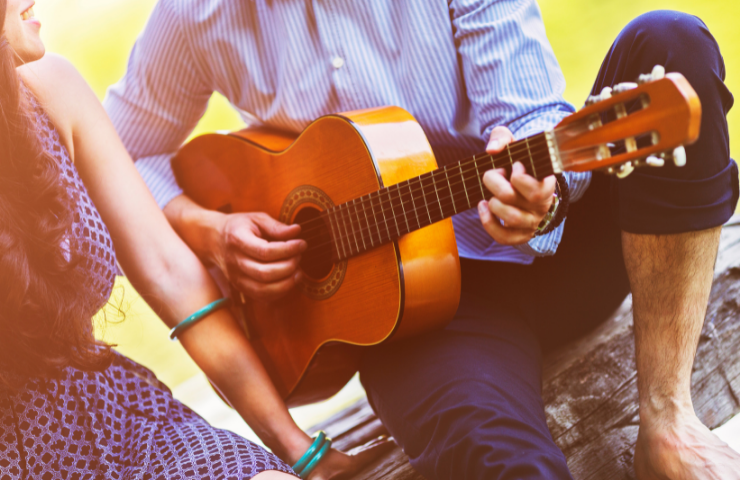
point(387, 214)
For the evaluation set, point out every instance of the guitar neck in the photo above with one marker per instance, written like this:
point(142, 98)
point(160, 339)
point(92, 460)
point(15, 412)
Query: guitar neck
point(387, 214)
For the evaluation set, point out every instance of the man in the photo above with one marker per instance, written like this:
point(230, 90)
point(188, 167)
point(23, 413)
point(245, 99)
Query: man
point(465, 402)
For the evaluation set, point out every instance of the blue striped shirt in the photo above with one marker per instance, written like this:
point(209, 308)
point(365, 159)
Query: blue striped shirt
point(460, 67)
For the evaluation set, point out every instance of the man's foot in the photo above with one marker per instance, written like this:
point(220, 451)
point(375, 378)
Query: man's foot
point(683, 449)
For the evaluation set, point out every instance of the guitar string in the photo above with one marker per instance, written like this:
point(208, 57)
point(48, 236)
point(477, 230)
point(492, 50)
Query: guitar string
point(537, 149)
point(450, 168)
point(383, 203)
point(353, 233)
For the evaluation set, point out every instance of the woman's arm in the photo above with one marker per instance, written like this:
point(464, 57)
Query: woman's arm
point(156, 261)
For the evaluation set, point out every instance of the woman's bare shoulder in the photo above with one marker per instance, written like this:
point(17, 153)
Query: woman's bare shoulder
point(59, 88)
point(52, 76)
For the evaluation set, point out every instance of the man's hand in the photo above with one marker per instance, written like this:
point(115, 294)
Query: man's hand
point(259, 255)
point(519, 204)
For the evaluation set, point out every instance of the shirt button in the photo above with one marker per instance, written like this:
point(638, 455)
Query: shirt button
point(337, 62)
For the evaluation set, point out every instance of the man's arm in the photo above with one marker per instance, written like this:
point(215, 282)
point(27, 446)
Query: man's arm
point(154, 108)
point(513, 80)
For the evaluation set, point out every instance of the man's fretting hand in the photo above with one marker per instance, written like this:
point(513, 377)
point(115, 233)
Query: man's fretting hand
point(259, 255)
point(519, 204)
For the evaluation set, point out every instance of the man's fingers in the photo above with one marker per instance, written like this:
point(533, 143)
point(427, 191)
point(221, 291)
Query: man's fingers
point(262, 250)
point(500, 137)
point(268, 272)
point(513, 217)
point(266, 291)
point(536, 192)
point(275, 229)
point(502, 235)
point(500, 187)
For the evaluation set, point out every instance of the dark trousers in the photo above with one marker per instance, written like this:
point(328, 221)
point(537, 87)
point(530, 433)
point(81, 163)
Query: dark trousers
point(465, 402)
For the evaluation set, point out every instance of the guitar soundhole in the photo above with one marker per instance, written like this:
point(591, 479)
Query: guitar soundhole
point(316, 261)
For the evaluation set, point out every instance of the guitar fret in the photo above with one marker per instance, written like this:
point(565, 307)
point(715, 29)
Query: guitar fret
point(346, 231)
point(369, 230)
point(341, 237)
point(531, 160)
point(465, 187)
point(434, 182)
point(393, 212)
point(359, 224)
point(400, 199)
point(385, 220)
point(479, 177)
point(352, 227)
point(424, 195)
point(413, 203)
point(452, 195)
point(377, 224)
point(333, 233)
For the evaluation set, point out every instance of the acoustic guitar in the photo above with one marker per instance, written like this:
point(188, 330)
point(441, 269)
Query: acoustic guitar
point(374, 207)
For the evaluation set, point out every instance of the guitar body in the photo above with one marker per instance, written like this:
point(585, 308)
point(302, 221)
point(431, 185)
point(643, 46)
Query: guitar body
point(310, 342)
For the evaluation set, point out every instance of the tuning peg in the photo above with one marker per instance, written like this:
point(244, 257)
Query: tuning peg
point(654, 161)
point(625, 86)
point(605, 94)
point(658, 72)
point(624, 170)
point(679, 156)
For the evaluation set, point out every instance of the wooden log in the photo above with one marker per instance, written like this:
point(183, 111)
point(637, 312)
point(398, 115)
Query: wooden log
point(590, 388)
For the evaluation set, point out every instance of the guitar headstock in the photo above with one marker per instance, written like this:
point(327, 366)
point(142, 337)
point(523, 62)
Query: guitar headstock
point(632, 125)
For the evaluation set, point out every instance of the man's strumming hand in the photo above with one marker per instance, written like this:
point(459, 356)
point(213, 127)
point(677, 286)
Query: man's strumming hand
point(259, 255)
point(519, 203)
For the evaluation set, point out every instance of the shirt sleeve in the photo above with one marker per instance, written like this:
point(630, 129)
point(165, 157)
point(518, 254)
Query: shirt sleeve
point(159, 100)
point(513, 79)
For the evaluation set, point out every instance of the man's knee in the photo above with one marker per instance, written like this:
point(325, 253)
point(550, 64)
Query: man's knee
point(664, 31)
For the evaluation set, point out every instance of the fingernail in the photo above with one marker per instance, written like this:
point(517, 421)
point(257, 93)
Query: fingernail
point(304, 246)
point(519, 167)
point(494, 144)
point(482, 206)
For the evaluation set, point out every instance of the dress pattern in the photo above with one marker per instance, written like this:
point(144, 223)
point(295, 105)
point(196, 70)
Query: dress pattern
point(121, 423)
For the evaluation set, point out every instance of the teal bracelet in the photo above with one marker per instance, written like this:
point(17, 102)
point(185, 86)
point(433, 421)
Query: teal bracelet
point(316, 459)
point(318, 441)
point(197, 316)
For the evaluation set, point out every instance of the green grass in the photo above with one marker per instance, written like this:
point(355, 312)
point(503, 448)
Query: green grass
point(98, 35)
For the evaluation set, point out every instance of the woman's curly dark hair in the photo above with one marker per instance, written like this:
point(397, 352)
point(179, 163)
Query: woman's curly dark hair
point(46, 307)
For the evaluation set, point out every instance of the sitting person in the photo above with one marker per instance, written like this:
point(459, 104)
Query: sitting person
point(71, 205)
point(465, 402)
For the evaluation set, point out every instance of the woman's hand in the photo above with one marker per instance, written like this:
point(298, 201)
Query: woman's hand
point(337, 465)
point(519, 203)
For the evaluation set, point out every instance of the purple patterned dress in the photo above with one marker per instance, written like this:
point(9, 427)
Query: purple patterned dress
point(121, 423)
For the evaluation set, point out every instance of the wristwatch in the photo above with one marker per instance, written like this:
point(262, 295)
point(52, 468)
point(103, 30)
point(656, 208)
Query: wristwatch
point(558, 208)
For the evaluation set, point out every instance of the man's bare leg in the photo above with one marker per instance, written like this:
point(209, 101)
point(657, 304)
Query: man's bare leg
point(670, 277)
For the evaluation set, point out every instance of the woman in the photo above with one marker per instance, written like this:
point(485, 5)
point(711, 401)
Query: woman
point(71, 202)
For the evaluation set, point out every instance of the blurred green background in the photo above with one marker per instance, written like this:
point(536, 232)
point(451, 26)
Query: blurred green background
point(98, 35)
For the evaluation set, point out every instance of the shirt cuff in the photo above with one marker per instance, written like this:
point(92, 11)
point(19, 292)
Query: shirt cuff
point(159, 177)
point(547, 244)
